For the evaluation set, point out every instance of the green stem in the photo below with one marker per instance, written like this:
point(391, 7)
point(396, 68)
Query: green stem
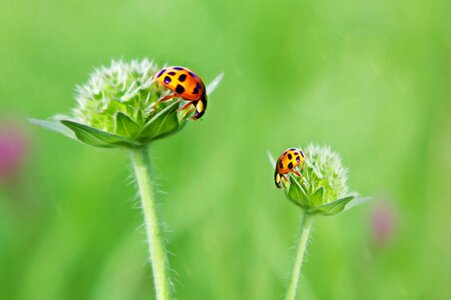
point(304, 233)
point(157, 251)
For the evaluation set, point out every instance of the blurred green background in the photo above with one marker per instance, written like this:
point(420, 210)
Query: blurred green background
point(369, 78)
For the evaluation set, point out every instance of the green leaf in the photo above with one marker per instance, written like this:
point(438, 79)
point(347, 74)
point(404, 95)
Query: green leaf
point(297, 194)
point(162, 124)
point(331, 208)
point(317, 197)
point(125, 126)
point(272, 161)
point(140, 117)
point(357, 201)
point(214, 84)
point(53, 125)
point(98, 138)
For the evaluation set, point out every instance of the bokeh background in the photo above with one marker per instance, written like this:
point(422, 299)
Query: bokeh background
point(369, 78)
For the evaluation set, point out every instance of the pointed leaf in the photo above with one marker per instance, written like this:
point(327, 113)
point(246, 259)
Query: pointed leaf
point(98, 138)
point(331, 208)
point(125, 126)
point(272, 161)
point(317, 197)
point(357, 201)
point(214, 84)
point(297, 194)
point(53, 126)
point(162, 124)
point(140, 116)
point(168, 109)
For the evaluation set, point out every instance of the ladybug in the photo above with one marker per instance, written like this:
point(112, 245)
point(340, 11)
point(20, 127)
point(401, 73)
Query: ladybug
point(286, 163)
point(186, 85)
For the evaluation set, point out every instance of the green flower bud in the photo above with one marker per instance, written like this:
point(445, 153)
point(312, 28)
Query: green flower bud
point(322, 188)
point(116, 108)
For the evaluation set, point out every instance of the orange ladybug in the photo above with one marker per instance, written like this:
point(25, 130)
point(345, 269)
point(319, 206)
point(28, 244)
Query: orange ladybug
point(186, 85)
point(286, 163)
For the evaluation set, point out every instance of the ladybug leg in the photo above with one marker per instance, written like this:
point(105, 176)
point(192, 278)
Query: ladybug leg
point(166, 98)
point(187, 113)
point(185, 106)
point(300, 175)
point(285, 180)
point(192, 118)
point(283, 176)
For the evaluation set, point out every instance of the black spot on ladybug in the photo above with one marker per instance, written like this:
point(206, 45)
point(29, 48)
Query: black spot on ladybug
point(298, 158)
point(290, 156)
point(293, 149)
point(302, 153)
point(167, 80)
point(161, 73)
point(290, 165)
point(182, 77)
point(179, 89)
point(198, 85)
point(281, 164)
point(196, 90)
point(178, 68)
point(172, 73)
point(192, 74)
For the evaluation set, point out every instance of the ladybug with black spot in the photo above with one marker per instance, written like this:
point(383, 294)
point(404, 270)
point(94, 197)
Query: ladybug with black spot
point(186, 85)
point(286, 163)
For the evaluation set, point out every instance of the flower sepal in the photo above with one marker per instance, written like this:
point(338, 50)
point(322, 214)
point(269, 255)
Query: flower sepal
point(162, 124)
point(332, 208)
point(313, 204)
point(98, 138)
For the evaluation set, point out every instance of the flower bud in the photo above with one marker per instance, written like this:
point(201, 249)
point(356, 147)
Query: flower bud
point(322, 188)
point(117, 108)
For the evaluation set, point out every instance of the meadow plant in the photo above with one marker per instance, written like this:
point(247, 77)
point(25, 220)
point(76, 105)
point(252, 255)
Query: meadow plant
point(116, 109)
point(321, 190)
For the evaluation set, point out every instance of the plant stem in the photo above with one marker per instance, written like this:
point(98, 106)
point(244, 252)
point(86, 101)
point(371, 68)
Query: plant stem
point(157, 251)
point(304, 233)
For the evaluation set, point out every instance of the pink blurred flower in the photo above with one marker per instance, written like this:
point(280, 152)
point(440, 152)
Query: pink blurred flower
point(383, 223)
point(13, 148)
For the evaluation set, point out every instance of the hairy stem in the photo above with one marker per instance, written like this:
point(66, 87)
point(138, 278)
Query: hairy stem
point(157, 251)
point(304, 233)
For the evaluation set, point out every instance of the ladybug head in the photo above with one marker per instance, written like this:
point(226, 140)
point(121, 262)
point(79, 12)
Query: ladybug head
point(201, 106)
point(277, 180)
